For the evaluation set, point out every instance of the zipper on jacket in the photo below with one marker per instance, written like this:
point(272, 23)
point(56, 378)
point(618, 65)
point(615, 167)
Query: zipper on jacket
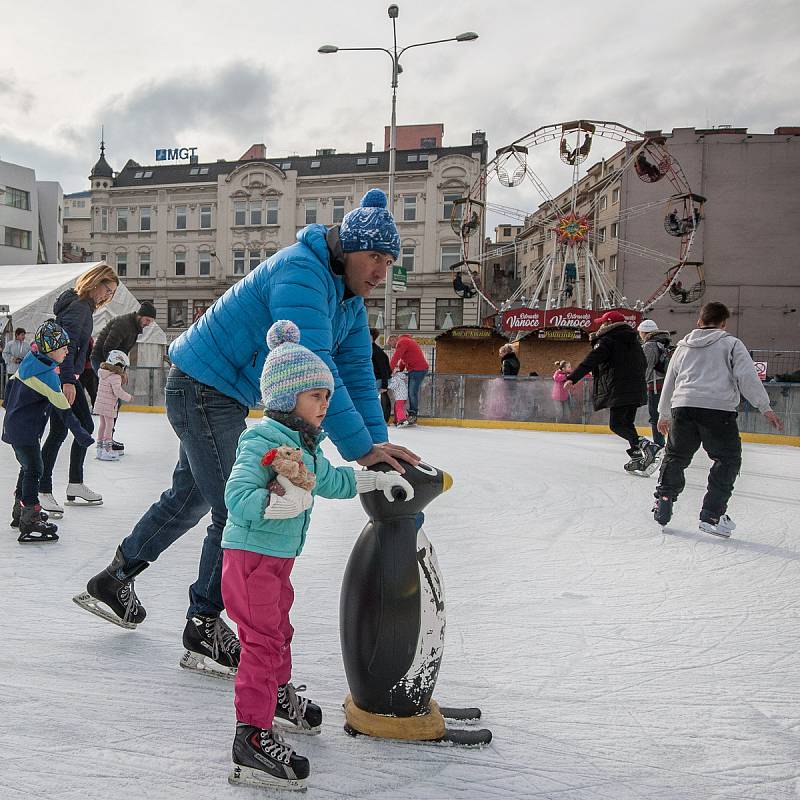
point(255, 358)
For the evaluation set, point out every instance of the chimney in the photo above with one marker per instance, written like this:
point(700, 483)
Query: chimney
point(255, 151)
point(369, 147)
point(478, 138)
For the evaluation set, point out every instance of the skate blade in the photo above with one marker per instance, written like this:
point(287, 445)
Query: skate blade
point(53, 514)
point(244, 776)
point(38, 539)
point(289, 727)
point(79, 501)
point(206, 666)
point(93, 606)
point(704, 526)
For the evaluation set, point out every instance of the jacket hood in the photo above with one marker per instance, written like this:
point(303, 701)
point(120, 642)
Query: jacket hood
point(703, 337)
point(34, 365)
point(621, 328)
point(64, 300)
point(314, 237)
point(325, 245)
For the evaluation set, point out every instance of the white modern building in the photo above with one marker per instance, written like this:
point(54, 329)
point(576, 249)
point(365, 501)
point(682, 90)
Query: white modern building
point(31, 214)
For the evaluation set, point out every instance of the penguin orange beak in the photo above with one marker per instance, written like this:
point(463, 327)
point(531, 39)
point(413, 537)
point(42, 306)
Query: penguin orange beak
point(447, 481)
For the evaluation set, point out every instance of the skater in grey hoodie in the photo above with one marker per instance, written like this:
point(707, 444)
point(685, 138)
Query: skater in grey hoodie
point(707, 374)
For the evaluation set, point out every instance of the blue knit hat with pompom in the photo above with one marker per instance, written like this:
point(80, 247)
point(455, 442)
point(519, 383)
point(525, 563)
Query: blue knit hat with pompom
point(290, 368)
point(370, 227)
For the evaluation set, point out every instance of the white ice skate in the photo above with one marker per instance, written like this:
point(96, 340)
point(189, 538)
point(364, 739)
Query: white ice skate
point(81, 491)
point(51, 505)
point(724, 526)
point(105, 453)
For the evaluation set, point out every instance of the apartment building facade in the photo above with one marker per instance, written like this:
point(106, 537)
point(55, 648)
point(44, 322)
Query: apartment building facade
point(180, 234)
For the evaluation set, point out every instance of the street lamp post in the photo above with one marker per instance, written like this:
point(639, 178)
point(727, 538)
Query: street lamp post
point(393, 12)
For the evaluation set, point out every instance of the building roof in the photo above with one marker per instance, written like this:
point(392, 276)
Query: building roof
point(77, 195)
point(305, 166)
point(102, 169)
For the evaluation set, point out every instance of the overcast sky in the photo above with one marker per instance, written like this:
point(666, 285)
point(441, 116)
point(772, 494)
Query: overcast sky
point(222, 75)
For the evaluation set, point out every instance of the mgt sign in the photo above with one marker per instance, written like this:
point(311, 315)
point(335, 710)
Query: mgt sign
point(175, 153)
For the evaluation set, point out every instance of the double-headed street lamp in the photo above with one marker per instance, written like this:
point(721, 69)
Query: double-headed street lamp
point(394, 54)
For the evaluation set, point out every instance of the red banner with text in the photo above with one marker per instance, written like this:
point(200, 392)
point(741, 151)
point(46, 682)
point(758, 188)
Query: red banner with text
point(533, 319)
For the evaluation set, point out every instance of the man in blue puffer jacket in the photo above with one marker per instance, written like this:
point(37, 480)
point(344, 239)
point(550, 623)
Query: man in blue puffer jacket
point(320, 284)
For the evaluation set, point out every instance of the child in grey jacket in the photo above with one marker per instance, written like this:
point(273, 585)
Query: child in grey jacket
point(707, 374)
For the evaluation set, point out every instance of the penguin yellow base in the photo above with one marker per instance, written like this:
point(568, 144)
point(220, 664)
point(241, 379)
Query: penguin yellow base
point(421, 727)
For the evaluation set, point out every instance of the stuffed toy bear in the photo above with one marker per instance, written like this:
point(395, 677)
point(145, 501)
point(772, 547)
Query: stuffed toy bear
point(288, 461)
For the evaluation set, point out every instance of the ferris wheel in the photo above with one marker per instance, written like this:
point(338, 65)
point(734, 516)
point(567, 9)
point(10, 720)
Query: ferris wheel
point(571, 226)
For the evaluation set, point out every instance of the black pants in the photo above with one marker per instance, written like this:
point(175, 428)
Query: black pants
point(30, 462)
point(652, 407)
point(56, 437)
point(621, 422)
point(718, 432)
point(386, 406)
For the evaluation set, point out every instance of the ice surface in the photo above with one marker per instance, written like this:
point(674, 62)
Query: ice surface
point(612, 661)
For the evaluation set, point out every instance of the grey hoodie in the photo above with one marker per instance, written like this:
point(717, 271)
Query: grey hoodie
point(710, 369)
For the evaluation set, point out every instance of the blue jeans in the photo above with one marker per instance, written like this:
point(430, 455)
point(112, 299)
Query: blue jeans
point(208, 424)
point(415, 378)
point(30, 462)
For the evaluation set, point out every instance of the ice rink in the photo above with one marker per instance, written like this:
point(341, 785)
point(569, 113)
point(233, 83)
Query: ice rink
point(612, 661)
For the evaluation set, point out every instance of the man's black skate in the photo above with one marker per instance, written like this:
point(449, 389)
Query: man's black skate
point(662, 509)
point(643, 458)
point(211, 647)
point(262, 759)
point(297, 713)
point(34, 528)
point(113, 588)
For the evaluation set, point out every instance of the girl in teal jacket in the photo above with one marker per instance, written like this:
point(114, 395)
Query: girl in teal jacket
point(268, 517)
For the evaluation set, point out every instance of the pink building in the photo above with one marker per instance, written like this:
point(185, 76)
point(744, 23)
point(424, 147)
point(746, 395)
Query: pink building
point(414, 137)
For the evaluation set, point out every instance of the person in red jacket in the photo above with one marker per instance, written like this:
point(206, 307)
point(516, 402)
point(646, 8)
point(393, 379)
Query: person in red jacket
point(410, 353)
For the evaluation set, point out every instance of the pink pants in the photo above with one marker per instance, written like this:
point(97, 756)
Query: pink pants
point(400, 410)
point(258, 595)
point(106, 428)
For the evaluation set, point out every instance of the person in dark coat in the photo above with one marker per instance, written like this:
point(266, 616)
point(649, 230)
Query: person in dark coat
point(74, 309)
point(121, 333)
point(618, 364)
point(382, 370)
point(509, 363)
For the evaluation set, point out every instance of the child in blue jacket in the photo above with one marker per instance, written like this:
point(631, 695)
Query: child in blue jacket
point(33, 393)
point(268, 517)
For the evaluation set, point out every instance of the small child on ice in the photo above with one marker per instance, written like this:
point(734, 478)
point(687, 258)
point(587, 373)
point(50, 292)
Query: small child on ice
point(398, 388)
point(106, 406)
point(33, 392)
point(559, 394)
point(265, 532)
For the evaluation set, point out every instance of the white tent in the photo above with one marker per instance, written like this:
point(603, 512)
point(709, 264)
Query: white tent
point(29, 291)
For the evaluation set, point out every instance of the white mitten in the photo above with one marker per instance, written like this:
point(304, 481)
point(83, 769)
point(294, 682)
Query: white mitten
point(369, 481)
point(293, 503)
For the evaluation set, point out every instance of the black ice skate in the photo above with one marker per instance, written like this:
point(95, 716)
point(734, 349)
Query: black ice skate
point(33, 527)
point(643, 459)
point(297, 713)
point(16, 510)
point(262, 759)
point(662, 509)
point(721, 525)
point(118, 447)
point(211, 647)
point(110, 593)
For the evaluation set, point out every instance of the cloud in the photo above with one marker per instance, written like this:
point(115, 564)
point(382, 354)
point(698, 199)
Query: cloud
point(11, 93)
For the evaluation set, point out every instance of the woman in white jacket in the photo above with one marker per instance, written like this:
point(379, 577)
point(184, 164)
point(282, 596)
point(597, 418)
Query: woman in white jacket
point(708, 373)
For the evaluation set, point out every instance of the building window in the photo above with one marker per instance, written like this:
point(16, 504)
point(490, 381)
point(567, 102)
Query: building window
point(506, 231)
point(180, 218)
point(411, 157)
point(180, 263)
point(204, 263)
point(103, 219)
point(148, 174)
point(449, 313)
point(122, 265)
point(602, 264)
point(372, 160)
point(314, 165)
point(311, 212)
point(254, 258)
point(407, 256)
point(424, 157)
point(255, 213)
point(17, 198)
point(205, 217)
point(409, 208)
point(122, 220)
point(272, 212)
point(199, 307)
point(16, 237)
point(601, 235)
point(238, 262)
point(615, 196)
point(449, 204)
point(361, 162)
point(374, 312)
point(614, 230)
point(603, 204)
point(286, 165)
point(144, 265)
point(176, 313)
point(204, 170)
point(239, 212)
point(613, 261)
point(66, 228)
point(450, 254)
point(338, 209)
point(144, 218)
point(192, 171)
point(407, 314)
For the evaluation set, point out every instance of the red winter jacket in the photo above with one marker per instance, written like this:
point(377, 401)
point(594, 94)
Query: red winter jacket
point(410, 353)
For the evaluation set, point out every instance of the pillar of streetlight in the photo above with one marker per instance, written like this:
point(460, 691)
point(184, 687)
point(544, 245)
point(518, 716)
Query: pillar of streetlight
point(388, 304)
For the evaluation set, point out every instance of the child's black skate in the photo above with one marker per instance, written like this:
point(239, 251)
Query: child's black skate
point(113, 588)
point(211, 647)
point(662, 509)
point(262, 759)
point(297, 713)
point(34, 528)
point(16, 511)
